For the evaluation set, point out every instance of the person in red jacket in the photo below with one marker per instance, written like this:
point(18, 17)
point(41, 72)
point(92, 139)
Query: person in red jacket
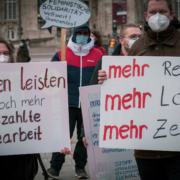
point(98, 41)
point(81, 57)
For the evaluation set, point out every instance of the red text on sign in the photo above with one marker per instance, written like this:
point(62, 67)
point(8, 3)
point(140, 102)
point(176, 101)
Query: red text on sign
point(122, 101)
point(5, 84)
point(41, 83)
point(128, 70)
point(124, 131)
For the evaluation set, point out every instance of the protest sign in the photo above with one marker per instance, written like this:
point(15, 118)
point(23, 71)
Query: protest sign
point(33, 108)
point(140, 103)
point(64, 13)
point(104, 164)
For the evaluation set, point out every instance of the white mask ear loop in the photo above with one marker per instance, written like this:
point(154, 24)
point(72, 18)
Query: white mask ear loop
point(128, 41)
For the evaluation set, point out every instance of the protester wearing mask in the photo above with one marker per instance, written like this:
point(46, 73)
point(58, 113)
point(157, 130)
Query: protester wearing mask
point(162, 39)
point(23, 53)
point(12, 167)
point(81, 57)
point(6, 52)
point(19, 167)
point(128, 35)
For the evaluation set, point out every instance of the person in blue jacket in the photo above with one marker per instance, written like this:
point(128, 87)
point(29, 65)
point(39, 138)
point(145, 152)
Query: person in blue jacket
point(81, 57)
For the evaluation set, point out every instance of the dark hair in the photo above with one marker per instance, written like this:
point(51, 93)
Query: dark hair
point(11, 59)
point(99, 41)
point(169, 3)
point(124, 27)
point(23, 40)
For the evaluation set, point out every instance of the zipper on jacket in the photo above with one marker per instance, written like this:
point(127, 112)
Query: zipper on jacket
point(80, 77)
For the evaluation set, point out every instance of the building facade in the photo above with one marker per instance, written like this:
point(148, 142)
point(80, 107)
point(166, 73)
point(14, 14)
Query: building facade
point(107, 16)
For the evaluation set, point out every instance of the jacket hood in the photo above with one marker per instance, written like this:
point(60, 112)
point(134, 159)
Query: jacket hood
point(80, 50)
point(83, 27)
point(174, 22)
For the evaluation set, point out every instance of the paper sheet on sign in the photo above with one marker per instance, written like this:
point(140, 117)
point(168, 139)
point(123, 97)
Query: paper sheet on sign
point(33, 108)
point(64, 14)
point(104, 163)
point(140, 103)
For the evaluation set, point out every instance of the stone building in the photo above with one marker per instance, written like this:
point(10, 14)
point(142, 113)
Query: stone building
point(105, 15)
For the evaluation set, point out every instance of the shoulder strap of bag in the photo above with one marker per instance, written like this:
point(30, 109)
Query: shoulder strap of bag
point(42, 166)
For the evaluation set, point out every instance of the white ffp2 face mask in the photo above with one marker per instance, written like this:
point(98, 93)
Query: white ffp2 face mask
point(4, 59)
point(158, 22)
point(131, 42)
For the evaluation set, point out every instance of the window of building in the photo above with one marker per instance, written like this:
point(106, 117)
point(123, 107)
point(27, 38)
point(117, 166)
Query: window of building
point(10, 9)
point(177, 9)
point(10, 34)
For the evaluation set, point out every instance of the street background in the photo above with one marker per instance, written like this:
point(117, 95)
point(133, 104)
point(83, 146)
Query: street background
point(42, 54)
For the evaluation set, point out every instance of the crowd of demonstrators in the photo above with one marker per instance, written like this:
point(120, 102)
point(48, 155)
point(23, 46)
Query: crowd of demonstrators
point(84, 66)
point(23, 53)
point(81, 57)
point(98, 41)
point(162, 39)
point(128, 35)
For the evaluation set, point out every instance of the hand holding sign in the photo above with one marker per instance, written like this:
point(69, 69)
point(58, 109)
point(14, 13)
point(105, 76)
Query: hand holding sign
point(101, 76)
point(64, 13)
point(66, 150)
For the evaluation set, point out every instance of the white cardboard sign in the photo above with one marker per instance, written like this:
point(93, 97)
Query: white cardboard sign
point(140, 103)
point(64, 13)
point(104, 163)
point(33, 108)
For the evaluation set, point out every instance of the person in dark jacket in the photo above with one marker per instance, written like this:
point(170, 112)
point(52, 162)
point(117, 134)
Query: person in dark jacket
point(81, 57)
point(20, 167)
point(162, 39)
point(98, 41)
point(14, 164)
point(128, 35)
point(23, 53)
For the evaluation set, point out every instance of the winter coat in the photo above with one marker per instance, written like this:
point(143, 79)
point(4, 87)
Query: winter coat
point(22, 54)
point(165, 43)
point(81, 62)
